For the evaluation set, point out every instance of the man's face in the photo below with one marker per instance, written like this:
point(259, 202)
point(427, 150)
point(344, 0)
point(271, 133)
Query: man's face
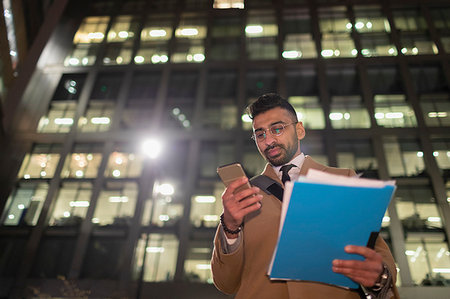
point(278, 150)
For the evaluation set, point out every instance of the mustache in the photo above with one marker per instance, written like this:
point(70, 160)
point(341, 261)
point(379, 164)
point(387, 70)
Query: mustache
point(272, 146)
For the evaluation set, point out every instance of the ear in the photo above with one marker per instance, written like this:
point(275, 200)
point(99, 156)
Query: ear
point(300, 130)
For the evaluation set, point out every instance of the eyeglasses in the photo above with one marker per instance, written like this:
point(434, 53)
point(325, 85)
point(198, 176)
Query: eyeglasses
point(275, 130)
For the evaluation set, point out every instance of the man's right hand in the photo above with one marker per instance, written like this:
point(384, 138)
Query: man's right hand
point(236, 206)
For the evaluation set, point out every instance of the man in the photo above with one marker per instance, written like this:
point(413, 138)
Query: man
point(246, 238)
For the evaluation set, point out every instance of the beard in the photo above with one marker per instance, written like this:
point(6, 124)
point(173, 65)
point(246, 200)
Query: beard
point(286, 154)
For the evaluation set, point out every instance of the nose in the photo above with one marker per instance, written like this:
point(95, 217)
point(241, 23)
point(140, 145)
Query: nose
point(269, 139)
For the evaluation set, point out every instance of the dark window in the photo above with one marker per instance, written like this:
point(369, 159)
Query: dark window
point(144, 85)
point(183, 84)
point(301, 83)
point(54, 257)
point(385, 80)
point(69, 87)
point(107, 87)
point(260, 82)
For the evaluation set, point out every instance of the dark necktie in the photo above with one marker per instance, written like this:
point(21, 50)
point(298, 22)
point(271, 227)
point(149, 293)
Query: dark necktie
point(285, 169)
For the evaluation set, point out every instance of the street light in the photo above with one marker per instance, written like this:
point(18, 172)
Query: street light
point(151, 148)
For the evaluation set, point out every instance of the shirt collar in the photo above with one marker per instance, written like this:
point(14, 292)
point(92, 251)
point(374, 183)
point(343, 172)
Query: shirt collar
point(297, 161)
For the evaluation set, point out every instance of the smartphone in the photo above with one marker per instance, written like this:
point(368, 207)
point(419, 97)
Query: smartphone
point(231, 172)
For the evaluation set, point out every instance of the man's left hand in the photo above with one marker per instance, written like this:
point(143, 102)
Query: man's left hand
point(364, 272)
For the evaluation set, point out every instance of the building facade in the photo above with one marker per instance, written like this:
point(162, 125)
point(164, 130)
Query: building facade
point(123, 110)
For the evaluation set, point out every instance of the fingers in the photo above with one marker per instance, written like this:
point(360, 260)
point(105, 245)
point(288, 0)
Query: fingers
point(364, 272)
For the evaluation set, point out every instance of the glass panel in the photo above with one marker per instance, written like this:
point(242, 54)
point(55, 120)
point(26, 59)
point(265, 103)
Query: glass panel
point(98, 117)
point(428, 258)
point(335, 28)
point(123, 29)
point(206, 208)
point(436, 109)
point(302, 82)
point(226, 27)
point(117, 54)
point(309, 111)
point(377, 45)
point(261, 31)
point(417, 209)
point(357, 155)
point(197, 266)
point(124, 163)
point(348, 112)
point(224, 4)
point(220, 110)
point(343, 81)
point(190, 35)
point(225, 49)
point(260, 82)
point(41, 163)
point(409, 19)
point(104, 258)
point(429, 78)
point(12, 250)
point(160, 255)
point(83, 162)
point(298, 42)
point(212, 155)
point(314, 147)
point(25, 204)
point(54, 257)
point(393, 111)
point(163, 210)
point(154, 40)
point(370, 19)
point(417, 44)
point(138, 111)
point(92, 30)
point(107, 86)
point(82, 54)
point(404, 157)
point(253, 162)
point(441, 17)
point(116, 204)
point(441, 152)
point(59, 118)
point(71, 204)
point(385, 80)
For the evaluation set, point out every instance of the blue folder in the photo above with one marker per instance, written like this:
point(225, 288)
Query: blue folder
point(321, 219)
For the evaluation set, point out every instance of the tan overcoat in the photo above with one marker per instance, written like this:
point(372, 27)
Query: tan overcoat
point(243, 272)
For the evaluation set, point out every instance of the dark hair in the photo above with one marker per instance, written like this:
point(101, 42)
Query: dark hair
point(267, 102)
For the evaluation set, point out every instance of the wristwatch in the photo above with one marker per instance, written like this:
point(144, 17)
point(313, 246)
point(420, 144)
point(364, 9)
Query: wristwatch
point(382, 280)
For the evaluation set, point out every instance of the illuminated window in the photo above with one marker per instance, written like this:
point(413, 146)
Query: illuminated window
point(124, 164)
point(90, 33)
point(98, 117)
point(404, 157)
point(190, 35)
point(160, 255)
point(393, 111)
point(436, 109)
point(123, 29)
point(118, 54)
point(417, 44)
point(377, 44)
point(197, 267)
point(441, 152)
point(83, 162)
point(336, 39)
point(357, 155)
point(370, 19)
point(72, 204)
point(154, 40)
point(92, 30)
point(298, 41)
point(25, 204)
point(41, 163)
point(309, 111)
point(261, 31)
point(206, 208)
point(162, 210)
point(428, 259)
point(116, 204)
point(348, 112)
point(225, 4)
